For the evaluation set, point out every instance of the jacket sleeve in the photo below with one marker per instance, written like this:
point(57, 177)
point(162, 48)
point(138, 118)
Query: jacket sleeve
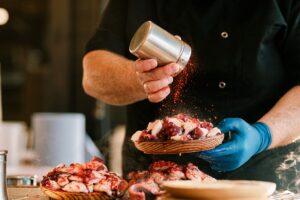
point(111, 30)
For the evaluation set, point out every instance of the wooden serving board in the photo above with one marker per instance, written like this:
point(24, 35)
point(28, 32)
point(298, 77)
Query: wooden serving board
point(177, 147)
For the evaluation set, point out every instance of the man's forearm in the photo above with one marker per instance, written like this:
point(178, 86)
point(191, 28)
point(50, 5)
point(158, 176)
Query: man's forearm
point(111, 78)
point(284, 119)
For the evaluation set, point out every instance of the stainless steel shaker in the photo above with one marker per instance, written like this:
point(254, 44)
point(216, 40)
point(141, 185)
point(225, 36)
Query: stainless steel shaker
point(3, 188)
point(151, 41)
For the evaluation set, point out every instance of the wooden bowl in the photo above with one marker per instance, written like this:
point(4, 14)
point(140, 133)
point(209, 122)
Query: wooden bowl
point(178, 147)
point(59, 194)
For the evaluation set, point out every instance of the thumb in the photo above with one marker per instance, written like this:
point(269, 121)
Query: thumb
point(231, 124)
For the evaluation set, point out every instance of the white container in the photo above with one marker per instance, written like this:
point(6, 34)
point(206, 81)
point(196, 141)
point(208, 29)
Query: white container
point(13, 137)
point(59, 138)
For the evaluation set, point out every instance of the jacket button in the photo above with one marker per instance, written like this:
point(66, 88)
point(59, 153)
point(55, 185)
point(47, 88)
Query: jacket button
point(222, 84)
point(224, 34)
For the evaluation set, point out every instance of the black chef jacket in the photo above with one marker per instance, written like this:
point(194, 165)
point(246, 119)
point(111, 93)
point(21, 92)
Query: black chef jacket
point(247, 55)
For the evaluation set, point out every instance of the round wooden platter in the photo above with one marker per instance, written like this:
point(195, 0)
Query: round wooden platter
point(219, 190)
point(178, 147)
point(59, 194)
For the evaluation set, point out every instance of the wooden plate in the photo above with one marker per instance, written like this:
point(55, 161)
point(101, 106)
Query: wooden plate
point(58, 194)
point(177, 147)
point(222, 189)
point(169, 197)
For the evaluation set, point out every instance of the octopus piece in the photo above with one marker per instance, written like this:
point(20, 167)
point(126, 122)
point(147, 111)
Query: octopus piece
point(154, 127)
point(60, 166)
point(188, 127)
point(90, 187)
point(72, 169)
point(168, 130)
point(97, 174)
point(204, 132)
point(206, 125)
point(150, 182)
point(196, 134)
point(183, 117)
point(138, 175)
point(145, 190)
point(91, 176)
point(161, 165)
point(137, 136)
point(93, 181)
point(53, 185)
point(180, 127)
point(64, 175)
point(62, 181)
point(95, 164)
point(158, 177)
point(213, 132)
point(178, 138)
point(75, 187)
point(112, 185)
point(146, 136)
point(75, 178)
point(208, 179)
point(140, 191)
point(52, 175)
point(193, 173)
point(176, 173)
point(103, 186)
point(122, 186)
point(115, 181)
point(175, 121)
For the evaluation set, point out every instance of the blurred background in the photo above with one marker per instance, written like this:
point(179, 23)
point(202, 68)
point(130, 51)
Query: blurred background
point(42, 44)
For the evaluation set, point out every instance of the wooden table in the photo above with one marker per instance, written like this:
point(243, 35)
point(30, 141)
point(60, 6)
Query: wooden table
point(26, 194)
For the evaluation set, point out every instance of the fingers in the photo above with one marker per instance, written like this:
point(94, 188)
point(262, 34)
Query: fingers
point(145, 65)
point(158, 90)
point(154, 86)
point(227, 163)
point(231, 124)
point(178, 37)
point(159, 73)
point(160, 95)
point(155, 80)
point(223, 158)
point(225, 149)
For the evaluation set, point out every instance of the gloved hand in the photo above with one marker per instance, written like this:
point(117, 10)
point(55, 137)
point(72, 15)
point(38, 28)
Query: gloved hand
point(246, 140)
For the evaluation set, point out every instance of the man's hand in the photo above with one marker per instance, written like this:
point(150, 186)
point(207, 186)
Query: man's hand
point(246, 141)
point(156, 80)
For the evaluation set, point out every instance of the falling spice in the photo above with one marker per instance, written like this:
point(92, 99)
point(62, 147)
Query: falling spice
point(177, 88)
point(181, 81)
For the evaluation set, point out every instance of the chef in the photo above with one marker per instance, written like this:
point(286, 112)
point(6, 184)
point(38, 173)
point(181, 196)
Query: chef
point(246, 81)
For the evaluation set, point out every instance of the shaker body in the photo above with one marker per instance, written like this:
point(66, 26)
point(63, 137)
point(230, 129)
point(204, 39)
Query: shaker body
point(151, 41)
point(3, 187)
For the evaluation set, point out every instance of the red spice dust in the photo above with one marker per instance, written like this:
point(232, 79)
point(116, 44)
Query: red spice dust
point(181, 81)
point(177, 88)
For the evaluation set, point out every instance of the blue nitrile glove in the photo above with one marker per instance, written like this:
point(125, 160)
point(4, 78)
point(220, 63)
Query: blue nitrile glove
point(246, 140)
